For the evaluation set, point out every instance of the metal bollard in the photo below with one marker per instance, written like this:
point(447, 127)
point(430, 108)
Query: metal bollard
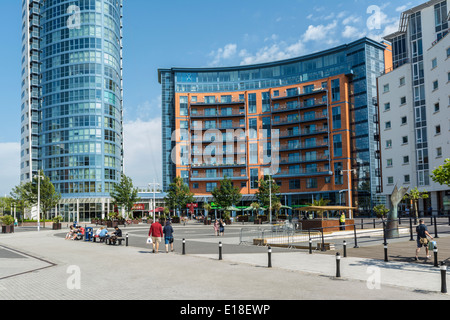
point(355, 236)
point(386, 258)
point(184, 247)
point(435, 229)
point(126, 240)
point(345, 249)
point(220, 250)
point(411, 230)
point(270, 257)
point(310, 246)
point(338, 265)
point(443, 277)
point(436, 263)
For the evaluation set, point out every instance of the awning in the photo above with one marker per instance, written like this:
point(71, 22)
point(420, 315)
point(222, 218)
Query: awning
point(325, 208)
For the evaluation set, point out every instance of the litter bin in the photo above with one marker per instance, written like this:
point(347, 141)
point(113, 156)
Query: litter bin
point(89, 234)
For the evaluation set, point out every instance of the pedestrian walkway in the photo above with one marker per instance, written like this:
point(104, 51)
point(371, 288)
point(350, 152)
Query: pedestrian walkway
point(45, 266)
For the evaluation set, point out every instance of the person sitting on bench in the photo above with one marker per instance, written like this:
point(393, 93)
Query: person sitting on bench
point(103, 234)
point(116, 234)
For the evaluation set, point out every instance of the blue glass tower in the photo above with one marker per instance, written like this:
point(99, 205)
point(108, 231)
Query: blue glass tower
point(72, 99)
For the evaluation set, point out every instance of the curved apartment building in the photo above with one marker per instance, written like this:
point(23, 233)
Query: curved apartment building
point(305, 121)
point(72, 99)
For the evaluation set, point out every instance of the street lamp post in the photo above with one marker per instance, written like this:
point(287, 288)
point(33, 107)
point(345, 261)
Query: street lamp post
point(154, 184)
point(39, 177)
point(349, 189)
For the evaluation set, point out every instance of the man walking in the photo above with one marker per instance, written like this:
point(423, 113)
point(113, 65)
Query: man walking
point(156, 232)
point(422, 239)
point(342, 221)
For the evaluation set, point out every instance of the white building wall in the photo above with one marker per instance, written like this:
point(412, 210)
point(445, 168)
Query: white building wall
point(437, 114)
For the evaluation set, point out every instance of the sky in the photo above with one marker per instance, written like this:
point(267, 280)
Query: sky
point(198, 33)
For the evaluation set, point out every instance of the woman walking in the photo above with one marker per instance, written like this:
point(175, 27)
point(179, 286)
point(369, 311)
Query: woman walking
point(216, 228)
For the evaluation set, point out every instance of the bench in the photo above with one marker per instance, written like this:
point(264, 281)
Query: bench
point(95, 238)
point(111, 242)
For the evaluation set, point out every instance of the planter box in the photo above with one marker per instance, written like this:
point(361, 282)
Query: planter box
point(56, 226)
point(328, 225)
point(257, 221)
point(242, 219)
point(8, 229)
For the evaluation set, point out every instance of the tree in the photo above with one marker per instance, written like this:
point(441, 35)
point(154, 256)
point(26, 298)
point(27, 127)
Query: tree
point(268, 186)
point(320, 203)
point(178, 195)
point(226, 195)
point(414, 196)
point(125, 194)
point(42, 190)
point(441, 174)
point(381, 210)
point(17, 194)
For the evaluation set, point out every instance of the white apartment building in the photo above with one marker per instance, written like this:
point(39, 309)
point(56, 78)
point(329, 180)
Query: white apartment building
point(414, 104)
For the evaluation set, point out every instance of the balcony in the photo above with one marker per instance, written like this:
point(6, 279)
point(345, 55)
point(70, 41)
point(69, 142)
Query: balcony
point(301, 172)
point(298, 146)
point(295, 119)
point(223, 114)
point(297, 93)
point(204, 176)
point(213, 102)
point(297, 105)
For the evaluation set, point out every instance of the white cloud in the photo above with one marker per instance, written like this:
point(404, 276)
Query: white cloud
point(320, 32)
point(404, 7)
point(225, 53)
point(9, 167)
point(275, 52)
point(352, 33)
point(143, 150)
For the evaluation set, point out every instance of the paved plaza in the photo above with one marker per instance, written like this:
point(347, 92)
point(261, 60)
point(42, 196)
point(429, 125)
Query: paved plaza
point(44, 266)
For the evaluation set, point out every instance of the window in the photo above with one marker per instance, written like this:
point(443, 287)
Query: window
point(252, 103)
point(388, 143)
point(433, 63)
point(389, 162)
point(402, 100)
point(438, 129)
point(337, 118)
point(210, 186)
point(435, 85)
point(386, 88)
point(404, 120)
point(254, 176)
point(402, 81)
point(387, 106)
point(337, 145)
point(338, 177)
point(390, 180)
point(407, 178)
point(436, 107)
point(439, 152)
point(406, 160)
point(294, 184)
point(448, 52)
point(405, 140)
point(195, 186)
point(336, 90)
point(311, 183)
point(387, 125)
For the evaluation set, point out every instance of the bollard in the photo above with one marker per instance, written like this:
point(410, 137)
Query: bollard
point(443, 277)
point(411, 230)
point(184, 247)
point(126, 240)
point(356, 238)
point(220, 250)
point(270, 257)
point(338, 265)
point(345, 249)
point(386, 258)
point(310, 246)
point(436, 263)
point(435, 229)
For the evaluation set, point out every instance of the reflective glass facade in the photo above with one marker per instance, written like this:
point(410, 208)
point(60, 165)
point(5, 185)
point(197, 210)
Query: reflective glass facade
point(72, 94)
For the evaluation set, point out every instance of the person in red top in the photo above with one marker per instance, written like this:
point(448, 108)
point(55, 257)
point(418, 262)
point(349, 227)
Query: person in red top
point(156, 232)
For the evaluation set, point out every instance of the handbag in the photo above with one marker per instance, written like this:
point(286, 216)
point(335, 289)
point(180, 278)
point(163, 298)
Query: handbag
point(149, 240)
